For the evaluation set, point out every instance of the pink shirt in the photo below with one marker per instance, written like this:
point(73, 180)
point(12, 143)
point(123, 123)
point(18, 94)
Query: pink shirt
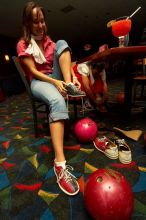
point(49, 47)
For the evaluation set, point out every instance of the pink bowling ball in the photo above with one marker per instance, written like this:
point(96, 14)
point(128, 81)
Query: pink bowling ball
point(86, 130)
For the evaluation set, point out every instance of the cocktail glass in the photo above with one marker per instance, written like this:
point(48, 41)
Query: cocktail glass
point(121, 28)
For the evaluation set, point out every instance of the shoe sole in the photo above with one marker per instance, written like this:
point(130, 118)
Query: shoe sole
point(112, 157)
point(125, 161)
point(70, 194)
point(109, 156)
point(76, 95)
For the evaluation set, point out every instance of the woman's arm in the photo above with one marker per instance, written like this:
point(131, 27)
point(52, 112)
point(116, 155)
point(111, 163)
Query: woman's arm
point(30, 65)
point(74, 78)
point(105, 91)
point(86, 84)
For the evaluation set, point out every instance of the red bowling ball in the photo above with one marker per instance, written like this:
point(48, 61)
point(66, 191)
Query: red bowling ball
point(108, 196)
point(86, 130)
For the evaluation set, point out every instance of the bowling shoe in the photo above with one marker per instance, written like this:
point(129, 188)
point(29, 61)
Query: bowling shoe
point(66, 181)
point(125, 156)
point(106, 146)
point(73, 90)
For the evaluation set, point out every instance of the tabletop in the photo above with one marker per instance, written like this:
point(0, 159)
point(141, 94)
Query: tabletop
point(127, 54)
point(132, 52)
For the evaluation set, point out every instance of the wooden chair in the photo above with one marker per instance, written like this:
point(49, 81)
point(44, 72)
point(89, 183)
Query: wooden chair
point(140, 77)
point(37, 105)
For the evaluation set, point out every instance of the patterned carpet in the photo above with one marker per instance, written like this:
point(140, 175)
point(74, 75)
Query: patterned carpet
point(28, 188)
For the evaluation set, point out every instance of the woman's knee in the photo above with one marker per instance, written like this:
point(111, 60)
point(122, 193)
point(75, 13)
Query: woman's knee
point(61, 45)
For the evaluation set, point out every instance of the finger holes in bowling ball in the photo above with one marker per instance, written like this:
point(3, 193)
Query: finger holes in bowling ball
point(99, 179)
point(108, 195)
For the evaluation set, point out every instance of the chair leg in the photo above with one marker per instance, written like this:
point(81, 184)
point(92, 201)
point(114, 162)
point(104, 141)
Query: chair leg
point(74, 106)
point(35, 123)
point(74, 102)
point(47, 116)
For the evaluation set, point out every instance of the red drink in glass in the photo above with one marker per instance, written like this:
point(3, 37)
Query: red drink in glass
point(121, 28)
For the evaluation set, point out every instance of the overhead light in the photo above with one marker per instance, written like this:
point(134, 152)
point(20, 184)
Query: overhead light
point(7, 58)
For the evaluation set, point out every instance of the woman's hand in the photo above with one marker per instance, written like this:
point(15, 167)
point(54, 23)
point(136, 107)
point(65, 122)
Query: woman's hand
point(60, 85)
point(76, 82)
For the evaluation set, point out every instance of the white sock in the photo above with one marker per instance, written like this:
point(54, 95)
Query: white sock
point(61, 164)
point(70, 83)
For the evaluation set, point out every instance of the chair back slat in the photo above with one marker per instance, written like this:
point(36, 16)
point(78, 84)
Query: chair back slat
point(22, 75)
point(35, 103)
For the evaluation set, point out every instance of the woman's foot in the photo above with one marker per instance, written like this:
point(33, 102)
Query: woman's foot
point(87, 106)
point(72, 90)
point(66, 181)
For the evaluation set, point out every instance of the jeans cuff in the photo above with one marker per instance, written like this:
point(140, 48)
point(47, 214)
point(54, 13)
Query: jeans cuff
point(58, 116)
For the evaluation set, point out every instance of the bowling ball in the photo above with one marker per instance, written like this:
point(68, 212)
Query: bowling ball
point(108, 195)
point(120, 98)
point(86, 130)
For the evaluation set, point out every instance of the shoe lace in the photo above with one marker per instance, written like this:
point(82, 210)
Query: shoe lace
point(76, 89)
point(121, 141)
point(87, 104)
point(87, 107)
point(65, 173)
point(104, 140)
point(124, 146)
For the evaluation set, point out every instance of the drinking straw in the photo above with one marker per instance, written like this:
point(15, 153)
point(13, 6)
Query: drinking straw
point(134, 12)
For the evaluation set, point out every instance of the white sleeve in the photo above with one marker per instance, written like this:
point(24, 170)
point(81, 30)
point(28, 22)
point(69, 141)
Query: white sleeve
point(83, 69)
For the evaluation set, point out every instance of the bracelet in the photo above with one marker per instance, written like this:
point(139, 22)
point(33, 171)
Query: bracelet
point(74, 77)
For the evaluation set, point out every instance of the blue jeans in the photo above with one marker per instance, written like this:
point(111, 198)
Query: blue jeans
point(48, 92)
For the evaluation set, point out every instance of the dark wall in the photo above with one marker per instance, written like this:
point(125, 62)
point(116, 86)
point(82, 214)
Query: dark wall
point(10, 81)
